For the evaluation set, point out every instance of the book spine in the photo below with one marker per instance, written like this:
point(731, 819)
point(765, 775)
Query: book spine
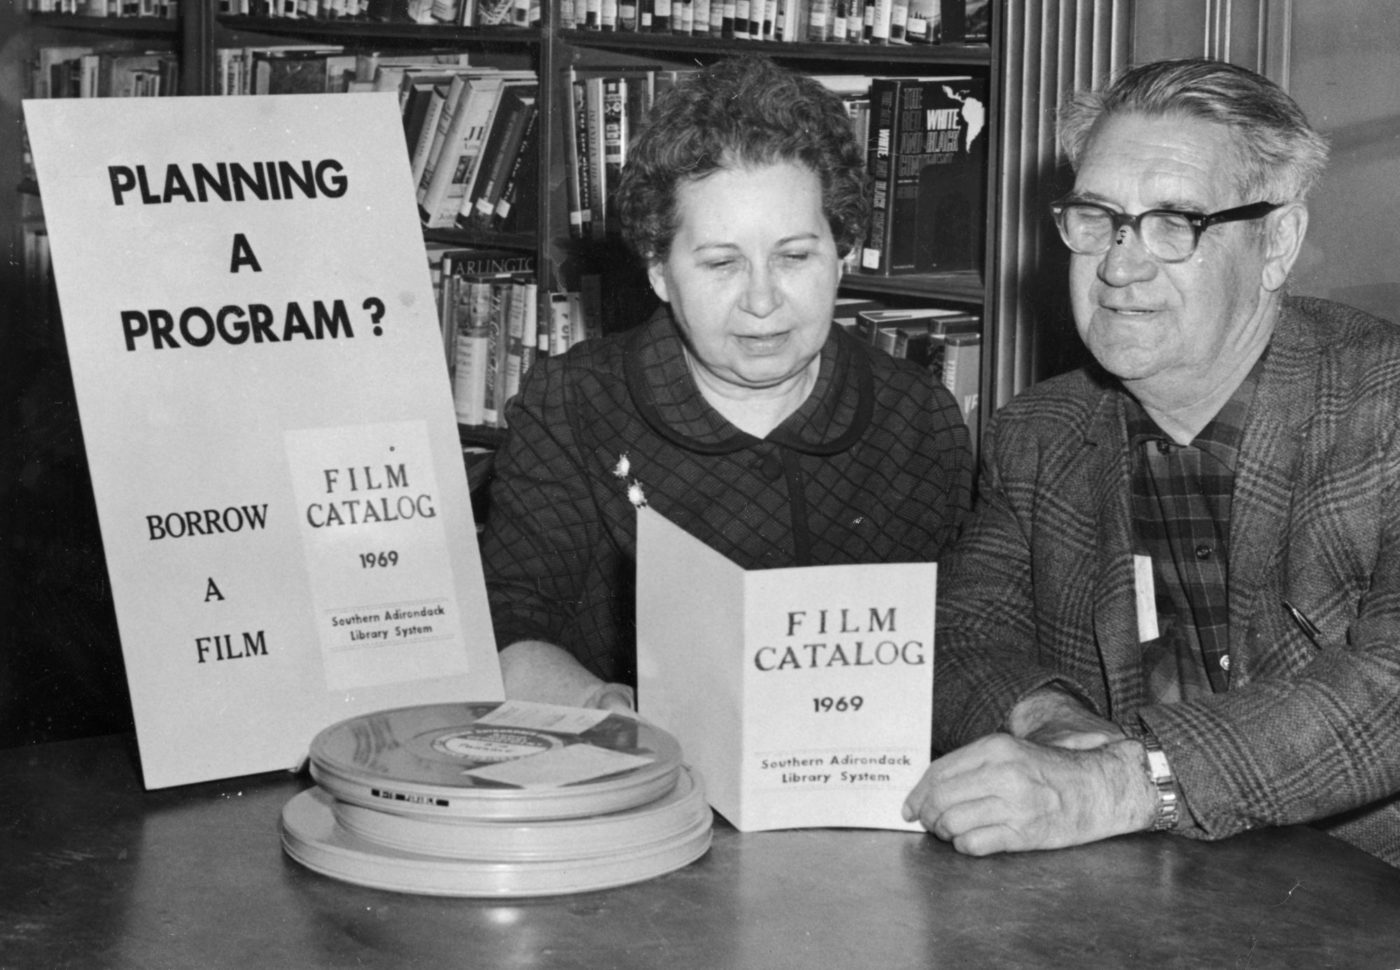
point(445, 289)
point(560, 323)
point(530, 338)
point(614, 122)
point(580, 187)
point(923, 22)
point(912, 151)
point(423, 143)
point(881, 16)
point(756, 8)
point(785, 27)
point(899, 21)
point(469, 377)
point(884, 94)
point(962, 365)
point(579, 323)
point(498, 295)
point(588, 318)
point(543, 334)
point(595, 153)
point(470, 382)
point(953, 21)
point(855, 21)
point(522, 169)
point(456, 92)
point(513, 366)
point(866, 327)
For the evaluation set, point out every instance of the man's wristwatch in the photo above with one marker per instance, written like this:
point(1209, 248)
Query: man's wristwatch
point(1159, 772)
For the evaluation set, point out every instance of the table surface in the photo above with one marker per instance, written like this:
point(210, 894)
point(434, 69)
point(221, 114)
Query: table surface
point(96, 872)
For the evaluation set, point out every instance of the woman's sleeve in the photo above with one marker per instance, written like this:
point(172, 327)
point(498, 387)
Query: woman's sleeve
point(542, 521)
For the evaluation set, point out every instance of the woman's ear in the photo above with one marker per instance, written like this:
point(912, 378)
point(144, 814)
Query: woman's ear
point(1284, 232)
point(656, 273)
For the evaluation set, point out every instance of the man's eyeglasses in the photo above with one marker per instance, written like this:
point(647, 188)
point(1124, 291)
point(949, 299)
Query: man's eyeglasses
point(1168, 234)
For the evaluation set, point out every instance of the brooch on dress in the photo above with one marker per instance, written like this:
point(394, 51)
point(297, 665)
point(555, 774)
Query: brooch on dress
point(622, 470)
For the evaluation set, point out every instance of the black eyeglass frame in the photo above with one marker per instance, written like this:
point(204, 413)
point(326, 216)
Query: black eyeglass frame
point(1198, 221)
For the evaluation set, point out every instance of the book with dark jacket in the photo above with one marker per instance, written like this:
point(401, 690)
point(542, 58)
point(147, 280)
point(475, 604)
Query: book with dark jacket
point(520, 191)
point(514, 114)
point(928, 157)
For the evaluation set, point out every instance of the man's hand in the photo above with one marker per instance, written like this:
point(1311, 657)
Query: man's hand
point(613, 697)
point(1052, 716)
point(1004, 794)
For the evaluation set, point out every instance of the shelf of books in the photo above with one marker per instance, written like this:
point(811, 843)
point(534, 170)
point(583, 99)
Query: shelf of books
point(516, 124)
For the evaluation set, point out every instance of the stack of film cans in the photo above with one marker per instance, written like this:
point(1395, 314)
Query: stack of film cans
point(496, 799)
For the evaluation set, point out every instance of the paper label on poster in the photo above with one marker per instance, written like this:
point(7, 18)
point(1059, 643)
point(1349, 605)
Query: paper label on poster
point(803, 695)
point(381, 574)
point(265, 407)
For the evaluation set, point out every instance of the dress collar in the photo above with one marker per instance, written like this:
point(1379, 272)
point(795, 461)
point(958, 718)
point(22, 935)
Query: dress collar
point(834, 416)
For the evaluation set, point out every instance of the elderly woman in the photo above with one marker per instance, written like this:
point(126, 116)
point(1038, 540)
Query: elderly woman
point(737, 411)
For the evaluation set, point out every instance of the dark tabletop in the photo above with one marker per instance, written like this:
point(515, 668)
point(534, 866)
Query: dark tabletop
point(96, 872)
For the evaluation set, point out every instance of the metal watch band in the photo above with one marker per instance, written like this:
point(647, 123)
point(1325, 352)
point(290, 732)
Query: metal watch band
point(1159, 772)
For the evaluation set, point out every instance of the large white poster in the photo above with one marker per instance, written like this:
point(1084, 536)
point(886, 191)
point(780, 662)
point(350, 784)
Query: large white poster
point(267, 417)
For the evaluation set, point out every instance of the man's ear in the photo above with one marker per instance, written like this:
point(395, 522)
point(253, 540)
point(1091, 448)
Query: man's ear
point(1284, 229)
point(656, 273)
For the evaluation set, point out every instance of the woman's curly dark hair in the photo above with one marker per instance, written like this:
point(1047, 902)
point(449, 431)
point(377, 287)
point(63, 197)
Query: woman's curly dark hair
point(741, 111)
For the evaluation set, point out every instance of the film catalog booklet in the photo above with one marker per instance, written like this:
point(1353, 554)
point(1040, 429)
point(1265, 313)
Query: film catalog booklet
point(265, 406)
point(804, 695)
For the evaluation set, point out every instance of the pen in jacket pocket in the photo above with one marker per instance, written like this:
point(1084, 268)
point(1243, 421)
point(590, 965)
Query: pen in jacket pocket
point(1309, 629)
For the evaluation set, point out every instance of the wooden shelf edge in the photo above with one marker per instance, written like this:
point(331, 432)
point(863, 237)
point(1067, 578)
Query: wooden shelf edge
point(965, 287)
point(380, 30)
point(942, 54)
point(477, 239)
point(144, 26)
point(480, 436)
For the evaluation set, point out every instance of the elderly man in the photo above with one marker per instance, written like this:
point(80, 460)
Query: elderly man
point(1177, 606)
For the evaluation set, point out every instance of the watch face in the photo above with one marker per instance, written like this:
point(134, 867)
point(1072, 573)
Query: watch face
point(1160, 773)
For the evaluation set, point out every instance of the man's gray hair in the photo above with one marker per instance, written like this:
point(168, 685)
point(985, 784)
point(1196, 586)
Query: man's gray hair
point(1280, 156)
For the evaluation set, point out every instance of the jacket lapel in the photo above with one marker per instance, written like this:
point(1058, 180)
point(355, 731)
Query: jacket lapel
point(1115, 610)
point(1274, 438)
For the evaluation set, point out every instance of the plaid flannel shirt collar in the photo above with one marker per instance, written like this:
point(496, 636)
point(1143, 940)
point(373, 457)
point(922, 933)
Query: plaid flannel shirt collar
point(1220, 438)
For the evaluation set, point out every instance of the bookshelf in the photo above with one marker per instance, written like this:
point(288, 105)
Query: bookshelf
point(196, 31)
